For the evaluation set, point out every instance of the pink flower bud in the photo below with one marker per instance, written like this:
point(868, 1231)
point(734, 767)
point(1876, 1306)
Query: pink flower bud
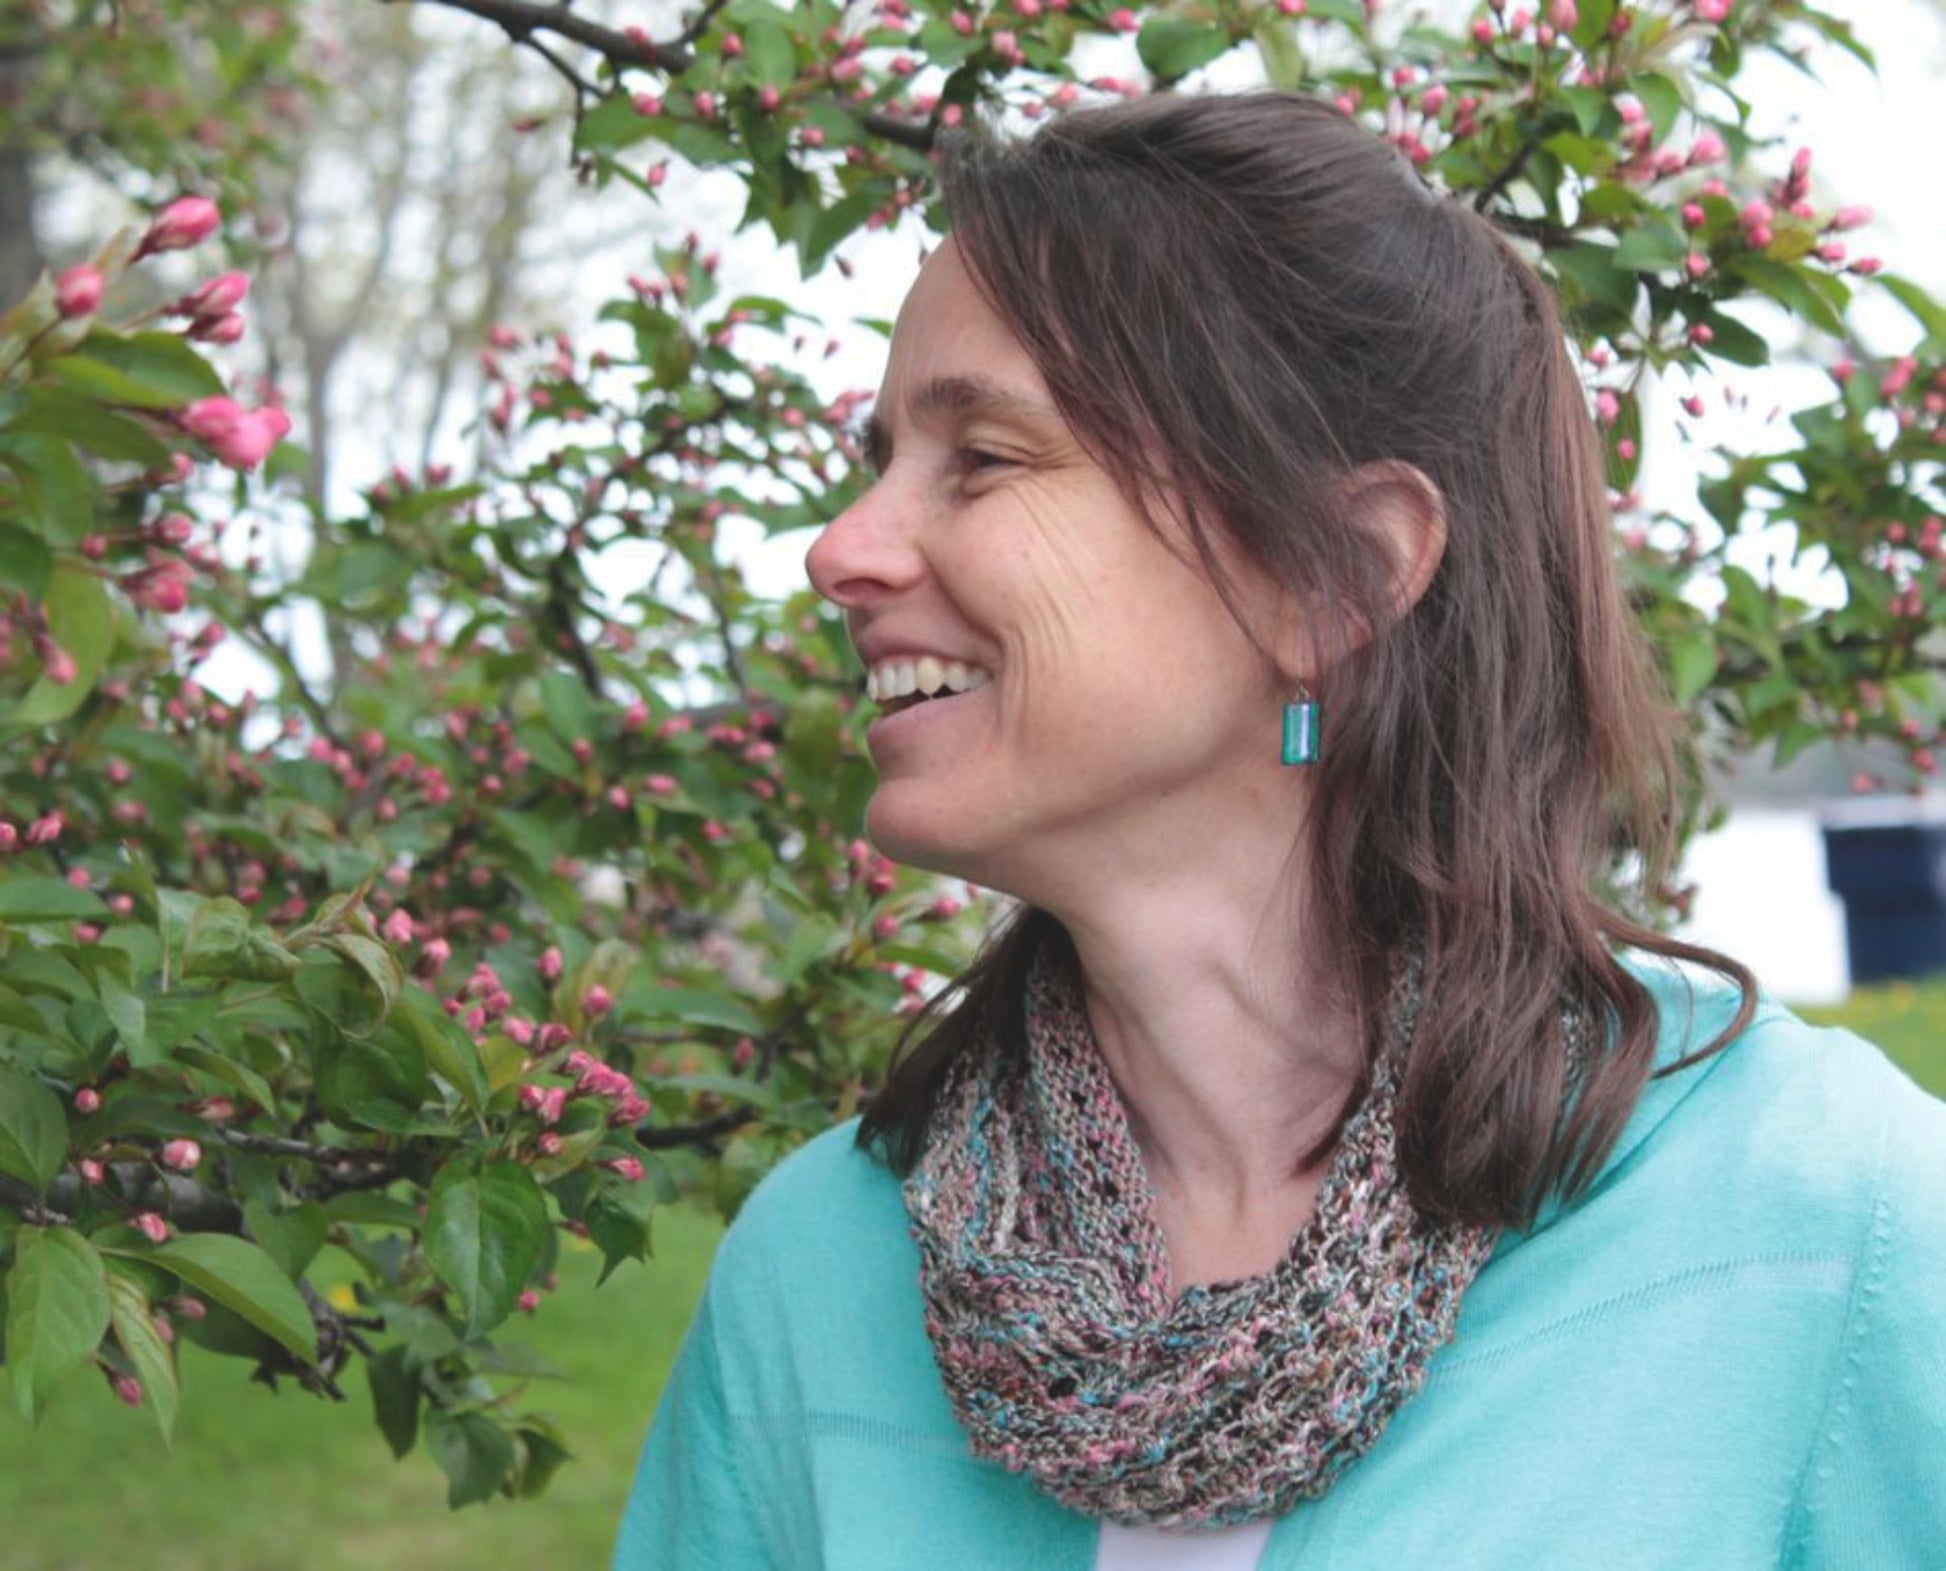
point(433, 957)
point(59, 665)
point(225, 329)
point(187, 221)
point(87, 1100)
point(152, 1227)
point(241, 438)
point(1854, 217)
point(128, 1389)
point(528, 1301)
point(220, 296)
point(1708, 148)
point(397, 928)
point(629, 1167)
point(183, 1155)
point(92, 1172)
point(548, 1143)
point(597, 1001)
point(1563, 14)
point(46, 829)
point(77, 292)
point(550, 965)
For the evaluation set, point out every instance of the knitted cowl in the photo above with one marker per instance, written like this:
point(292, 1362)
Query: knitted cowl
point(1064, 1350)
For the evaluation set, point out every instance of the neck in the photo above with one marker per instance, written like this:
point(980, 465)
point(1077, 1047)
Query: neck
point(1232, 1054)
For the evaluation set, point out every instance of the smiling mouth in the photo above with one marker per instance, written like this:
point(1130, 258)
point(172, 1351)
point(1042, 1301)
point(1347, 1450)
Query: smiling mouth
point(894, 706)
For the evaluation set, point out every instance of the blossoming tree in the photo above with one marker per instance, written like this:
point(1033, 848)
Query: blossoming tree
point(544, 901)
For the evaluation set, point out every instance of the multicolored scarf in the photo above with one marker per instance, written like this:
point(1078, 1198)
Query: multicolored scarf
point(1066, 1354)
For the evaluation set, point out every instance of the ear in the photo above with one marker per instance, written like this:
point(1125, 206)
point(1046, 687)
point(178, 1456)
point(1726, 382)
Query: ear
point(1397, 508)
point(1394, 504)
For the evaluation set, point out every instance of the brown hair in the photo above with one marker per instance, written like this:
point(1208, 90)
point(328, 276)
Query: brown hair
point(1235, 301)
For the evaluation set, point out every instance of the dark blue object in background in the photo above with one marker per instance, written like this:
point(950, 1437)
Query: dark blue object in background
point(1892, 879)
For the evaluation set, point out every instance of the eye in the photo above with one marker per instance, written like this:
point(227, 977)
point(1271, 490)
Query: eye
point(980, 460)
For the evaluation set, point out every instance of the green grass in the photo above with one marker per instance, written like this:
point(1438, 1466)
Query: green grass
point(257, 1482)
point(277, 1483)
point(1907, 1019)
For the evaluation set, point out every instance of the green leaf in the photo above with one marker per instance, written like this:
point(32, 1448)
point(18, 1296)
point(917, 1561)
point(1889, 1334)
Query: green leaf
point(56, 496)
point(691, 1006)
point(33, 1129)
point(242, 1278)
point(129, 1312)
point(25, 900)
point(377, 964)
point(369, 1082)
point(1692, 665)
point(483, 1236)
point(613, 123)
point(1171, 47)
point(223, 942)
point(94, 428)
point(1661, 97)
point(474, 1452)
point(450, 1052)
point(57, 1311)
point(368, 1208)
point(768, 54)
point(1731, 340)
point(290, 1237)
point(126, 1013)
point(396, 1395)
point(26, 564)
point(82, 618)
point(147, 370)
point(1652, 248)
point(543, 1453)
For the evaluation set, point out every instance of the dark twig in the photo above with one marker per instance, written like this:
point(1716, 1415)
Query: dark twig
point(668, 1137)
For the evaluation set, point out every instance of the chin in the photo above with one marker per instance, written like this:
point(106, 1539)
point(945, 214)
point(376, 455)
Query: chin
point(934, 839)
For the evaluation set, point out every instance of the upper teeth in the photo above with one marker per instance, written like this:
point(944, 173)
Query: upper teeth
point(891, 679)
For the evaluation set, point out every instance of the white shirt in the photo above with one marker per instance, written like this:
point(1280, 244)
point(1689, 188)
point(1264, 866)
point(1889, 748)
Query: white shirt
point(1151, 1549)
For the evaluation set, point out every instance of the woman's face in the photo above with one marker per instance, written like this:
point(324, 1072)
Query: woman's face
point(1105, 694)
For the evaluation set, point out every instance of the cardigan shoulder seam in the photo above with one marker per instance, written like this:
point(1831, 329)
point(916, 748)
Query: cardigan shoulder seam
point(1868, 1281)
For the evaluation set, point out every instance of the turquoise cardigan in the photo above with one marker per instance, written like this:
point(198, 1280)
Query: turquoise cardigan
point(1730, 1355)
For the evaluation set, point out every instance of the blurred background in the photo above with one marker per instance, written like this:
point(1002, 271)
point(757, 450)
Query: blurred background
point(425, 205)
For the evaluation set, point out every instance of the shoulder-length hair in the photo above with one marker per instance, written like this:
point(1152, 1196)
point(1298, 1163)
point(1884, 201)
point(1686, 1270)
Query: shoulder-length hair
point(1237, 301)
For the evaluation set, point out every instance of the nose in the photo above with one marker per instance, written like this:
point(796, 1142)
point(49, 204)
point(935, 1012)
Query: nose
point(867, 554)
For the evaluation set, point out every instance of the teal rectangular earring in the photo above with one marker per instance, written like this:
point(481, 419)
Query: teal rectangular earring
point(1301, 728)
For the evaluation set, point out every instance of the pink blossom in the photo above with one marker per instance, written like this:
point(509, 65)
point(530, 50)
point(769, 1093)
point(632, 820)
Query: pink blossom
point(127, 1389)
point(398, 928)
point(187, 221)
point(241, 438)
point(9, 836)
point(1563, 14)
point(629, 1167)
point(46, 829)
point(528, 1301)
point(220, 296)
point(548, 1143)
point(1853, 217)
point(550, 964)
point(92, 1172)
point(152, 1227)
point(1712, 10)
point(225, 329)
point(1608, 407)
point(183, 1155)
point(1707, 149)
point(58, 664)
point(597, 1001)
point(87, 1100)
point(77, 292)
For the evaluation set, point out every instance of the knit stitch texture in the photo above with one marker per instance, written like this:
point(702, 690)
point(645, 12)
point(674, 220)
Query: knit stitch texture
point(1064, 1350)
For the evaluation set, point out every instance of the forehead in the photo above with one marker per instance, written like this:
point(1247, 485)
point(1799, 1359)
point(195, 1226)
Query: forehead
point(947, 333)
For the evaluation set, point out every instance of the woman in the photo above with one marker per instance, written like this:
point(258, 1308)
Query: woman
point(1300, 1178)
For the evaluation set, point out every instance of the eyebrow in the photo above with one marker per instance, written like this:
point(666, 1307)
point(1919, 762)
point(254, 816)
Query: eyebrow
point(958, 397)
